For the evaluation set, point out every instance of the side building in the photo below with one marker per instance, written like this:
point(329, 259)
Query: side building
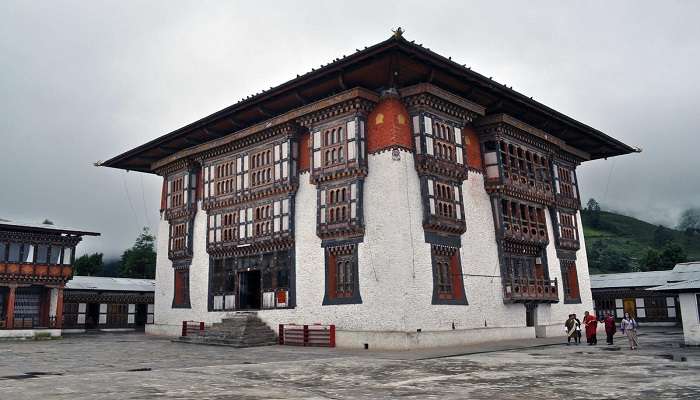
point(107, 304)
point(393, 193)
point(36, 261)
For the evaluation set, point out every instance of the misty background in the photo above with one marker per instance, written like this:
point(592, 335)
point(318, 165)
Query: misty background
point(84, 81)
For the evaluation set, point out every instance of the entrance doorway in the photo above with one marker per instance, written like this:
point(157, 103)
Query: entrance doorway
point(92, 316)
point(630, 307)
point(249, 294)
point(530, 309)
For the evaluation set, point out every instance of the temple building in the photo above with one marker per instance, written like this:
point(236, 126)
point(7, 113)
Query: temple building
point(36, 261)
point(394, 193)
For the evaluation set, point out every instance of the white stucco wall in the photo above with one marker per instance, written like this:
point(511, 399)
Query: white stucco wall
point(691, 319)
point(395, 272)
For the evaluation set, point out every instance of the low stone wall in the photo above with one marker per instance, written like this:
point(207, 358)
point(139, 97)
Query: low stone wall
point(28, 333)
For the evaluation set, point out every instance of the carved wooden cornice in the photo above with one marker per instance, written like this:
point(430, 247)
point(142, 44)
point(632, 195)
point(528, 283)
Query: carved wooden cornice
point(273, 192)
point(505, 190)
point(439, 226)
point(429, 165)
point(568, 203)
point(40, 238)
point(351, 172)
point(357, 106)
point(340, 233)
point(522, 248)
point(260, 245)
point(179, 166)
point(426, 96)
point(183, 212)
point(73, 296)
point(266, 136)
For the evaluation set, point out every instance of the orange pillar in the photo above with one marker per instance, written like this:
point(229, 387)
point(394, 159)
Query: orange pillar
point(59, 308)
point(10, 318)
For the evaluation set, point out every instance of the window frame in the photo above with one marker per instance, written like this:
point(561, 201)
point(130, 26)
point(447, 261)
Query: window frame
point(447, 259)
point(181, 297)
point(566, 267)
point(347, 254)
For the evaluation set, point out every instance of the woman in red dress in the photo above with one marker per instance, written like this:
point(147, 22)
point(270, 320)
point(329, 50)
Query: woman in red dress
point(591, 323)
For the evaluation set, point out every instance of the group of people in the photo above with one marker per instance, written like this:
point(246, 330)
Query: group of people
point(628, 326)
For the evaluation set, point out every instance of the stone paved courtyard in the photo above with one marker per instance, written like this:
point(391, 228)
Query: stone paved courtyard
point(134, 366)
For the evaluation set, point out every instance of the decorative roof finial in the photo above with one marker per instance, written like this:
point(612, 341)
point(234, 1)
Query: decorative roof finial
point(398, 33)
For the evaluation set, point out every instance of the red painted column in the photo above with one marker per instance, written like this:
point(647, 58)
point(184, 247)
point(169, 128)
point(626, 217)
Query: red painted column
point(59, 309)
point(10, 317)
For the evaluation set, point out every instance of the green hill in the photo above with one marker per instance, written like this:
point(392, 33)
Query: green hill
point(618, 243)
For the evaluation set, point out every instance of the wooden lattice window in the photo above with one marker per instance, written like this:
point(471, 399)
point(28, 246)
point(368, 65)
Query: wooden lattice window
point(117, 315)
point(567, 226)
point(524, 166)
point(178, 236)
point(224, 179)
point(181, 190)
point(333, 148)
point(261, 168)
point(338, 204)
point(263, 220)
point(337, 145)
point(443, 140)
point(565, 182)
point(523, 219)
point(444, 199)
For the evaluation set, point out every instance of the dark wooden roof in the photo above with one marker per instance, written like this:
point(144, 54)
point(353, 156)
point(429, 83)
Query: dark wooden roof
point(6, 225)
point(395, 62)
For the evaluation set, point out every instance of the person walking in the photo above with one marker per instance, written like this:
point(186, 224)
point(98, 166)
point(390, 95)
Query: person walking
point(570, 327)
point(591, 324)
point(578, 329)
point(629, 326)
point(610, 327)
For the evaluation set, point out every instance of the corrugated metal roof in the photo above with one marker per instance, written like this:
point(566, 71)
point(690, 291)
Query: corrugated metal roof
point(681, 272)
point(111, 284)
point(629, 279)
point(679, 286)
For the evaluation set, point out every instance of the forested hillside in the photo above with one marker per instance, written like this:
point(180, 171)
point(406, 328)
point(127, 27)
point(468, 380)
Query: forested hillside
point(618, 243)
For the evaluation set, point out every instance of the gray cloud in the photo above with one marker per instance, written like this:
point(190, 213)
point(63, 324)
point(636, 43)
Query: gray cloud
point(82, 81)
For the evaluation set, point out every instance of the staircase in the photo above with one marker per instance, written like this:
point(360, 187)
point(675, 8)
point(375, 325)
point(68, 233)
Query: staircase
point(243, 329)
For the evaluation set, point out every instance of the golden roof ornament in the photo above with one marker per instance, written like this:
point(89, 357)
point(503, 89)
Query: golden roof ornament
point(398, 33)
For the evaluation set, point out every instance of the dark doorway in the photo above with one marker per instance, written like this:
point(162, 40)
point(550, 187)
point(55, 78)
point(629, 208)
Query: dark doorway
point(141, 317)
point(92, 316)
point(249, 290)
point(530, 314)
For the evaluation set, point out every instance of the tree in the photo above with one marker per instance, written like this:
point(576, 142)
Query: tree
point(47, 222)
point(670, 255)
point(140, 260)
point(88, 265)
point(690, 220)
point(593, 210)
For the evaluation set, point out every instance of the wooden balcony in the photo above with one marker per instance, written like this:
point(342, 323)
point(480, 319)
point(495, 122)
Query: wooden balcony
point(523, 290)
point(12, 271)
point(525, 232)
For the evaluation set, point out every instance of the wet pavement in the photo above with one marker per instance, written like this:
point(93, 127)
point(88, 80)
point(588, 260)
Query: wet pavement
point(134, 366)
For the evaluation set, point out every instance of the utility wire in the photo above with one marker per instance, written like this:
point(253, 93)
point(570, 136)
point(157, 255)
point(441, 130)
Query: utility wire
point(143, 197)
point(128, 197)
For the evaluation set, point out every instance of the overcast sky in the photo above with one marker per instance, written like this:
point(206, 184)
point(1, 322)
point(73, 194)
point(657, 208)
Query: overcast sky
point(85, 81)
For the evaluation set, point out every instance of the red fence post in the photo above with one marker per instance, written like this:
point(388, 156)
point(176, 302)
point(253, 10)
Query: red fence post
point(184, 328)
point(331, 339)
point(201, 328)
point(306, 335)
point(281, 334)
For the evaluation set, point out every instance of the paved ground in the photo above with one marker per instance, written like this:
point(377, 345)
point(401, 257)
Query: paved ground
point(133, 366)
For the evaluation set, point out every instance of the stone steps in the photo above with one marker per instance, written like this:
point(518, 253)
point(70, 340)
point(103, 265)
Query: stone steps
point(240, 330)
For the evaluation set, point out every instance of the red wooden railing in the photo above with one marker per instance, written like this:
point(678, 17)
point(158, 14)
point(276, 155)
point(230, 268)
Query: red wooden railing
point(307, 335)
point(193, 328)
point(523, 289)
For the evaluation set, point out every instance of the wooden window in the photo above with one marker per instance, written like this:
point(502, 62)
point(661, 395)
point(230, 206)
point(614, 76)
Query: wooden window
point(3, 252)
point(341, 275)
point(523, 166)
point(181, 298)
point(444, 199)
point(263, 220)
point(338, 145)
point(448, 285)
point(70, 315)
point(568, 229)
point(569, 278)
point(179, 236)
point(524, 220)
point(565, 182)
point(261, 168)
point(443, 140)
point(339, 204)
point(181, 190)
